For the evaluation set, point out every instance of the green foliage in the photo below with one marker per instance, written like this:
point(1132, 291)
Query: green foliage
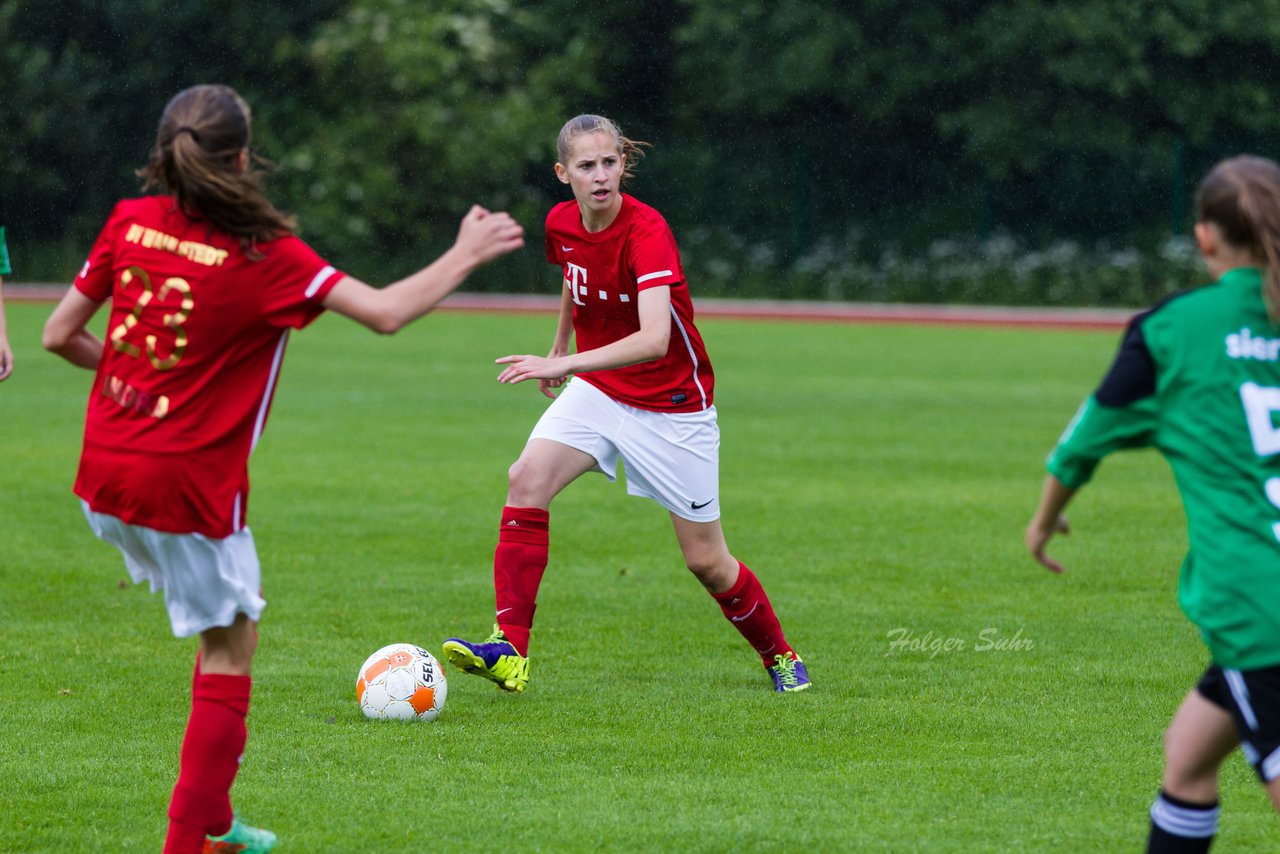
point(85, 82)
point(421, 110)
point(875, 478)
point(1048, 79)
point(790, 123)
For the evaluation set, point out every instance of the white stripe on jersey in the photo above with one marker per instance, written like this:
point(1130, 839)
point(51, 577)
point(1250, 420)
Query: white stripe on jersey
point(693, 356)
point(317, 282)
point(266, 395)
point(647, 276)
point(235, 515)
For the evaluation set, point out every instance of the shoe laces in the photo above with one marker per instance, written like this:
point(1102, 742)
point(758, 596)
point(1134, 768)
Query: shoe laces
point(785, 667)
point(497, 636)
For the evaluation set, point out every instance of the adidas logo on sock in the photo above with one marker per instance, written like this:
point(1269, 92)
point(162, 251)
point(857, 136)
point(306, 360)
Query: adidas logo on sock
point(513, 524)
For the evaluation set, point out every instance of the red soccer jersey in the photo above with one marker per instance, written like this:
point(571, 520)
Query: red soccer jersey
point(195, 340)
point(605, 271)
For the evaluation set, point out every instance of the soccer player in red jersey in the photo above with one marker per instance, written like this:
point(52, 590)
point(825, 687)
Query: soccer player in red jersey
point(205, 283)
point(641, 391)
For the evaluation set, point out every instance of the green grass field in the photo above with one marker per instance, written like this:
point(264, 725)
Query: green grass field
point(876, 478)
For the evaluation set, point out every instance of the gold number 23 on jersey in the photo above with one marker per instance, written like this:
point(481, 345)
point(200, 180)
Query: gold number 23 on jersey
point(172, 320)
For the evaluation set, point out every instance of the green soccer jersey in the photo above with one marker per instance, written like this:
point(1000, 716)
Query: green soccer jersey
point(1198, 377)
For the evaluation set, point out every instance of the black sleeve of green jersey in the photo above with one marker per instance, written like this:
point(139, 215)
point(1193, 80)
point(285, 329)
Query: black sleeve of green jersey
point(1132, 376)
point(1133, 373)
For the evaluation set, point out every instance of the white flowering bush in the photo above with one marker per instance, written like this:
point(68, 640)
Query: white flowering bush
point(999, 270)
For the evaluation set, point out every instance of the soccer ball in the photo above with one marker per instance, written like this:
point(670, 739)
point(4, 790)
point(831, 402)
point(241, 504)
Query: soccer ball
point(401, 682)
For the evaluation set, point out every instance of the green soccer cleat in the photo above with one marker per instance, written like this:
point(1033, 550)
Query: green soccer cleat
point(241, 839)
point(789, 673)
point(494, 658)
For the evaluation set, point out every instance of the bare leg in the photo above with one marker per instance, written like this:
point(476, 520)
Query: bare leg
point(229, 649)
point(740, 595)
point(544, 468)
point(706, 553)
point(1200, 736)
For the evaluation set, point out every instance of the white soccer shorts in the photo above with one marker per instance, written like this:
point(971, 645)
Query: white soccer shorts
point(671, 457)
point(206, 582)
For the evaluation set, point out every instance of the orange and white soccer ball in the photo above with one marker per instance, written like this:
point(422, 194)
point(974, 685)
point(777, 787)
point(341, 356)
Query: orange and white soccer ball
point(401, 682)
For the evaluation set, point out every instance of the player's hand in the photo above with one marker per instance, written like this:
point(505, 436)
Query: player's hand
point(1038, 537)
point(6, 359)
point(526, 367)
point(485, 235)
point(545, 386)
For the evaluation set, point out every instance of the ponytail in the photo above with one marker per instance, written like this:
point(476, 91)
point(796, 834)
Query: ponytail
point(630, 149)
point(1242, 197)
point(1261, 206)
point(196, 158)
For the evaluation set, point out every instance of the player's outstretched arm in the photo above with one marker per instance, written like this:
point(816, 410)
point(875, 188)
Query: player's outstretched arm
point(6, 354)
point(65, 332)
point(1048, 521)
point(482, 237)
point(647, 343)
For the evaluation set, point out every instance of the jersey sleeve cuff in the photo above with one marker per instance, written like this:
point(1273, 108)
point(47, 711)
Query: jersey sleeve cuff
point(85, 287)
point(656, 279)
point(1073, 472)
point(324, 281)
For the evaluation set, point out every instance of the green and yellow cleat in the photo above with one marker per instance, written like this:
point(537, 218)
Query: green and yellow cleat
point(494, 658)
point(789, 673)
point(241, 839)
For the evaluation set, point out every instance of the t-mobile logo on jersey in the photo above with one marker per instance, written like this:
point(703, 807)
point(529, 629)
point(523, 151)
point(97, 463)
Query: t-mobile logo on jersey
point(575, 279)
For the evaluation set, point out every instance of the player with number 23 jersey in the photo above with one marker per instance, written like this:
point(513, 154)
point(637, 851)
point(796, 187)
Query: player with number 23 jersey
point(195, 342)
point(205, 281)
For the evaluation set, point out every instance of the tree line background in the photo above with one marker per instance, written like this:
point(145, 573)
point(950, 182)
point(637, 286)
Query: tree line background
point(954, 150)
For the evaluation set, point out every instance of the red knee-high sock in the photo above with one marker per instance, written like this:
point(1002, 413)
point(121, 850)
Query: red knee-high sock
point(518, 564)
point(211, 753)
point(747, 607)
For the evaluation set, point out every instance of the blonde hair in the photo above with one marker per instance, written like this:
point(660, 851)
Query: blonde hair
point(195, 158)
point(585, 124)
point(1242, 197)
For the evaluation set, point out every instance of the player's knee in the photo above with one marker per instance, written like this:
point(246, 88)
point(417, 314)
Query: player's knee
point(1184, 764)
point(251, 646)
point(525, 483)
point(708, 567)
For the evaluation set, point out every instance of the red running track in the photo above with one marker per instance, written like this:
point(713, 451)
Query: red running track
point(817, 312)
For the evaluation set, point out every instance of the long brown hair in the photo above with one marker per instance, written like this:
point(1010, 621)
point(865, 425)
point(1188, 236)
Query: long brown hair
point(1242, 197)
point(582, 125)
point(202, 131)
